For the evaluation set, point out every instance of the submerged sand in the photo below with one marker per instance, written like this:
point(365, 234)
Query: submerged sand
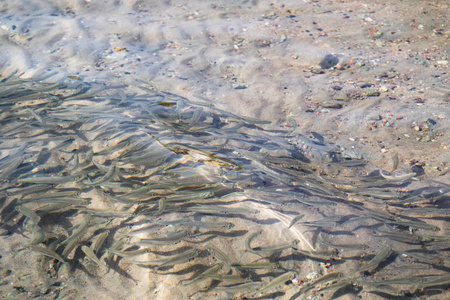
point(370, 79)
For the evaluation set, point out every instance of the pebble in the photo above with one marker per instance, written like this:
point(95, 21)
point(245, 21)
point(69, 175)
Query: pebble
point(363, 84)
point(384, 88)
point(341, 97)
point(373, 117)
point(329, 61)
point(351, 154)
point(331, 104)
point(317, 71)
point(239, 86)
point(371, 93)
point(431, 121)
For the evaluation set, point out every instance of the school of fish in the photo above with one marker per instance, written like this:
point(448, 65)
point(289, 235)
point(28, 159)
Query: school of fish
point(95, 176)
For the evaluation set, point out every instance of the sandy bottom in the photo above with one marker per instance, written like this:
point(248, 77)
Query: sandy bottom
point(367, 80)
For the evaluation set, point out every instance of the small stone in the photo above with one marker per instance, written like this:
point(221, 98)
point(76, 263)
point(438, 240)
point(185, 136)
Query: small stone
point(331, 104)
point(371, 93)
point(431, 121)
point(351, 154)
point(425, 139)
point(373, 117)
point(416, 128)
point(363, 84)
point(384, 88)
point(239, 86)
point(365, 69)
point(341, 97)
point(329, 61)
point(383, 150)
point(317, 71)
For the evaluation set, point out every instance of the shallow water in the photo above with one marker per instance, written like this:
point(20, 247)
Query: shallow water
point(135, 123)
point(170, 178)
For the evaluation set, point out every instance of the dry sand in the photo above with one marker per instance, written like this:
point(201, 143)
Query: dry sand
point(260, 59)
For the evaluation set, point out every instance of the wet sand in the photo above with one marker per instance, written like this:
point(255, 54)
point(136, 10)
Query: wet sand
point(382, 89)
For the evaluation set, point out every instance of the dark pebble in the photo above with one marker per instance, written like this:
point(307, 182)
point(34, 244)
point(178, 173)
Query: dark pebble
point(329, 61)
point(336, 87)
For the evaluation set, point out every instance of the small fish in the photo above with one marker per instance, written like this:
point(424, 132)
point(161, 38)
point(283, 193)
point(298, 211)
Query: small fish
point(337, 285)
point(259, 265)
point(374, 262)
point(227, 277)
point(279, 280)
point(295, 220)
point(220, 255)
point(321, 255)
point(240, 287)
point(204, 275)
point(426, 258)
point(47, 252)
point(435, 281)
point(11, 168)
point(46, 179)
point(38, 235)
point(402, 177)
point(129, 253)
point(213, 209)
point(400, 237)
point(89, 253)
point(249, 239)
point(105, 213)
point(162, 203)
point(108, 176)
point(181, 258)
point(198, 113)
point(322, 279)
point(29, 213)
point(414, 224)
point(171, 239)
point(70, 246)
point(99, 241)
point(35, 115)
point(81, 229)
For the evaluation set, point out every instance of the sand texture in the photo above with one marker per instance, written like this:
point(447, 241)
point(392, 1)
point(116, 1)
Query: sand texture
point(311, 137)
